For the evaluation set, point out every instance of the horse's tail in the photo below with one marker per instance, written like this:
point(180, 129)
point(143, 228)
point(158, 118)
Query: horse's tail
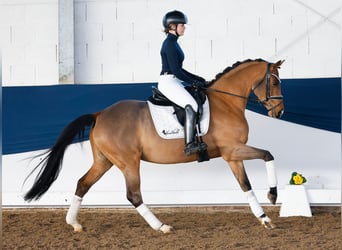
point(52, 163)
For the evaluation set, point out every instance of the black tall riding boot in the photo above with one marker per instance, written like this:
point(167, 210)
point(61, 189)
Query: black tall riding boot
point(189, 132)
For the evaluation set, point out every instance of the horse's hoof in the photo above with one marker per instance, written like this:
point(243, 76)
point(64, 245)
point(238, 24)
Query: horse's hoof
point(166, 229)
point(268, 225)
point(77, 227)
point(266, 222)
point(272, 198)
point(272, 195)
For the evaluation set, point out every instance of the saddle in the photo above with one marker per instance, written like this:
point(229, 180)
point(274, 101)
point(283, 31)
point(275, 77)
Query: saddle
point(158, 101)
point(158, 98)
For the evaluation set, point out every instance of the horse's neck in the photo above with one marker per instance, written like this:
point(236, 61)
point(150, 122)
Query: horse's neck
point(239, 81)
point(236, 86)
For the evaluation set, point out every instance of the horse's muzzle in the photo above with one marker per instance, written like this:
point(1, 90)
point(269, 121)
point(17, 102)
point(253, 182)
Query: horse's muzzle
point(275, 113)
point(280, 114)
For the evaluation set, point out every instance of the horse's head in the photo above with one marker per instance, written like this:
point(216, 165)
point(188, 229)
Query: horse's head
point(268, 90)
point(264, 82)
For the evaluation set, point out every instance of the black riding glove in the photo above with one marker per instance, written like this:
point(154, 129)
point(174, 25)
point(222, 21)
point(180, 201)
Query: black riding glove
point(199, 84)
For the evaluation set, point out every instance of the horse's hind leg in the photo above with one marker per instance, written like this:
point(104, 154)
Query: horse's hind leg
point(90, 178)
point(132, 178)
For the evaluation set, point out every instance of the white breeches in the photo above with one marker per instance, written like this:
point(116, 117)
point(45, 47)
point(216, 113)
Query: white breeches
point(174, 90)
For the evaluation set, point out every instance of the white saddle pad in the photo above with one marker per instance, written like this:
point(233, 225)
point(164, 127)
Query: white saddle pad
point(166, 122)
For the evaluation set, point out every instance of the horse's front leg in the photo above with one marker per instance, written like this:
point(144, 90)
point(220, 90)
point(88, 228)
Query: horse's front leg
point(238, 170)
point(132, 178)
point(244, 152)
point(272, 181)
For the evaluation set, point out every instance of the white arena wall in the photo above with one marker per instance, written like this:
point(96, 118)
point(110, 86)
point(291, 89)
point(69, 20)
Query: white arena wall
point(118, 41)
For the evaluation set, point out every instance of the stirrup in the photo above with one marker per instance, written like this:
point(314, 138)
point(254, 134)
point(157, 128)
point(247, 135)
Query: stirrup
point(194, 147)
point(202, 146)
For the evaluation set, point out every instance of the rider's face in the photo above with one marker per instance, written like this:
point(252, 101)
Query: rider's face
point(180, 29)
point(177, 29)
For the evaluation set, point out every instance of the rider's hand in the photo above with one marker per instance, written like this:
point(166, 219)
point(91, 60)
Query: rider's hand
point(199, 84)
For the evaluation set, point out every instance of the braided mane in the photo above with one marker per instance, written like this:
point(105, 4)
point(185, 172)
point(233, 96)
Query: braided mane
point(235, 65)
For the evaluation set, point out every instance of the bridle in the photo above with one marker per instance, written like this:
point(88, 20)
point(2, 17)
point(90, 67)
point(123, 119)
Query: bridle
point(268, 95)
point(268, 87)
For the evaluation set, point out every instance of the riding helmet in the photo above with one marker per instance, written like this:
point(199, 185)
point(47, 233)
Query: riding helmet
point(174, 17)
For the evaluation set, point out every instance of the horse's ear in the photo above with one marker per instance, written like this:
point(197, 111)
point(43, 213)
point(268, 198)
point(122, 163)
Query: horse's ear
point(278, 64)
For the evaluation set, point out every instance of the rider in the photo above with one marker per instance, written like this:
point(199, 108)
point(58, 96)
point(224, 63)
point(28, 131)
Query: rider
point(173, 74)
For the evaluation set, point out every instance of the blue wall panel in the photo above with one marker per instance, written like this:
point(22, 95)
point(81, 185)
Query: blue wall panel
point(34, 116)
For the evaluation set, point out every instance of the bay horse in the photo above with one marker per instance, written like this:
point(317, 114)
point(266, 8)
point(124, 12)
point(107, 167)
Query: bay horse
point(123, 134)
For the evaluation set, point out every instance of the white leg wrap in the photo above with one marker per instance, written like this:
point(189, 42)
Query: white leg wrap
point(254, 204)
point(71, 217)
point(149, 217)
point(271, 174)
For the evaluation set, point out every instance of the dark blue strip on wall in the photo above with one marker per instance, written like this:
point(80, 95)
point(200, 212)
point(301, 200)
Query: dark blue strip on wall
point(312, 102)
point(34, 116)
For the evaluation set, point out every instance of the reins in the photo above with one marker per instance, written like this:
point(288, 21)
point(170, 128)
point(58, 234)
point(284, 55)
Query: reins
point(231, 94)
